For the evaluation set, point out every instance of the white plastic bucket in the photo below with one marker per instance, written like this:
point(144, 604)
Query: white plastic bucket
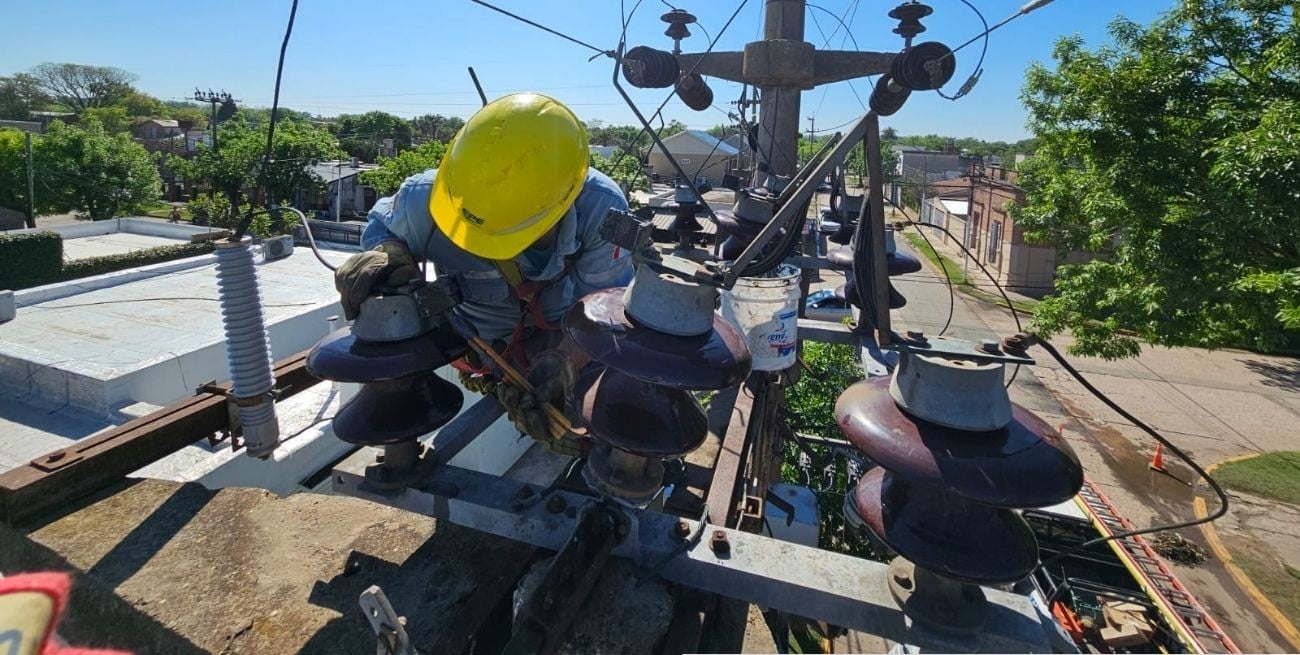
point(766, 309)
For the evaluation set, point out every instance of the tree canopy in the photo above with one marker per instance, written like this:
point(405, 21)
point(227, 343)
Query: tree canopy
point(392, 170)
point(236, 164)
point(1172, 152)
point(361, 135)
point(80, 86)
point(79, 168)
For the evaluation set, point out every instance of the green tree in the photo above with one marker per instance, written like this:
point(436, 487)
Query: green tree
point(137, 104)
point(13, 169)
point(1173, 148)
point(360, 136)
point(436, 127)
point(81, 87)
point(624, 170)
point(392, 170)
point(191, 114)
point(20, 95)
point(235, 168)
point(83, 168)
point(114, 119)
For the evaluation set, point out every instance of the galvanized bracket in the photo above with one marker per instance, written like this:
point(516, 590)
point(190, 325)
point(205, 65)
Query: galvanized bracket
point(388, 626)
point(957, 349)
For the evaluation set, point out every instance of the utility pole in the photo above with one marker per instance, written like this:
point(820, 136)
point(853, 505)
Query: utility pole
point(812, 131)
point(782, 66)
point(213, 99)
point(31, 183)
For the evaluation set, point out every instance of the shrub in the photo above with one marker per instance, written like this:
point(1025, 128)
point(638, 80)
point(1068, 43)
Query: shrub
point(29, 259)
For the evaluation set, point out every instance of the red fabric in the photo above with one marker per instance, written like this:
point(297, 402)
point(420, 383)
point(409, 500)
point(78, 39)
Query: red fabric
point(56, 587)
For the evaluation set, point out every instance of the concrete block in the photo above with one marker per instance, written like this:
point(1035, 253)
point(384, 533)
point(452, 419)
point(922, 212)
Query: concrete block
point(8, 309)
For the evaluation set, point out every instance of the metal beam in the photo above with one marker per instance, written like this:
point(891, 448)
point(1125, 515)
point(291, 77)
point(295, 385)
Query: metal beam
point(808, 582)
point(50, 481)
point(725, 487)
point(826, 332)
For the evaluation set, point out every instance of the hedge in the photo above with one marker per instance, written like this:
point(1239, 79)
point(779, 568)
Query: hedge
point(109, 263)
point(24, 261)
point(29, 259)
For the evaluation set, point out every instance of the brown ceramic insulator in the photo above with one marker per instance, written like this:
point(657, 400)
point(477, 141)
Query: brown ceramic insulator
point(599, 325)
point(1026, 464)
point(393, 411)
point(341, 357)
point(639, 417)
point(956, 538)
point(895, 263)
point(849, 292)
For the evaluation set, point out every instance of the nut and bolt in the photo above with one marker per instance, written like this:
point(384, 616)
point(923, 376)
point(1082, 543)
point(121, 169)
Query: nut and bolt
point(720, 544)
point(525, 492)
point(916, 335)
point(1016, 343)
point(556, 505)
point(989, 346)
point(682, 530)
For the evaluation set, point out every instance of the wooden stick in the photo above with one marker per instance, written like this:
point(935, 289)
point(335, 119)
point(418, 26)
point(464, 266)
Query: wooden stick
point(559, 422)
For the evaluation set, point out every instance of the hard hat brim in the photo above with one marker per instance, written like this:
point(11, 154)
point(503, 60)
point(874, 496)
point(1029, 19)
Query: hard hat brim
point(448, 215)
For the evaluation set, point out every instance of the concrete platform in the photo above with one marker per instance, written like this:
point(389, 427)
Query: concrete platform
point(114, 244)
point(152, 334)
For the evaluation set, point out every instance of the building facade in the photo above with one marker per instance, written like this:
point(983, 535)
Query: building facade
point(974, 210)
point(698, 153)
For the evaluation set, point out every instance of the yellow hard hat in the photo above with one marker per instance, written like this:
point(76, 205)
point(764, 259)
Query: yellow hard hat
point(510, 175)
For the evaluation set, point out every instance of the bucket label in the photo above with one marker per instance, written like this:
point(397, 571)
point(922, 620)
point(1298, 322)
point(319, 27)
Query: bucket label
point(781, 339)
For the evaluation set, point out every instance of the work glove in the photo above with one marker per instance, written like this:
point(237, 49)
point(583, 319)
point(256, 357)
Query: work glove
point(473, 381)
point(388, 264)
point(553, 376)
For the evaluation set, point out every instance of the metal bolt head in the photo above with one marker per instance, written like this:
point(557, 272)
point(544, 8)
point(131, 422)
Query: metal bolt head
point(989, 345)
point(556, 504)
point(682, 530)
point(720, 544)
point(916, 335)
point(524, 492)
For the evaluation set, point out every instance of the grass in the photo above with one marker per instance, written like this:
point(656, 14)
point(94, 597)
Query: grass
point(164, 210)
point(1279, 582)
point(1272, 475)
point(959, 280)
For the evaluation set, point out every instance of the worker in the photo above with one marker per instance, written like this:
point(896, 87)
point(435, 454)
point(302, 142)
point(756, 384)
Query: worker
point(512, 214)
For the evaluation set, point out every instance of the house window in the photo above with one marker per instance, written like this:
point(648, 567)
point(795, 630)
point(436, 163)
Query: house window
point(995, 241)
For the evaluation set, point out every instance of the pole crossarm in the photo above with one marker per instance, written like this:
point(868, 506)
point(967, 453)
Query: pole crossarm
point(787, 63)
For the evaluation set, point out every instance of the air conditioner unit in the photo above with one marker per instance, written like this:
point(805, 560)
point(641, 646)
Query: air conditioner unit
point(278, 247)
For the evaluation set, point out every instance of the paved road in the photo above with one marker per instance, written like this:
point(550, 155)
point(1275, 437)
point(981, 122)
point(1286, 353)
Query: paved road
point(1216, 404)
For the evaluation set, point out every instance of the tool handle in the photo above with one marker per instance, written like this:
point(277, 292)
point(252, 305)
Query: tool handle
point(558, 420)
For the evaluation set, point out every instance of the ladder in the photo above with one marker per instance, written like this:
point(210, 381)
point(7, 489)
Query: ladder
point(1193, 624)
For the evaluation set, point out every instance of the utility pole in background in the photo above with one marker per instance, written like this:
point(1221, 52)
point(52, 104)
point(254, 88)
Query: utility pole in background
point(213, 99)
point(31, 183)
point(812, 131)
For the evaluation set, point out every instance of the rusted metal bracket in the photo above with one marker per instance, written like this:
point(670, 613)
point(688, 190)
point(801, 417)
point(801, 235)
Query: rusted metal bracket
point(49, 481)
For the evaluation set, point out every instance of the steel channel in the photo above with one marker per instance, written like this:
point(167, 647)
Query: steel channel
point(727, 469)
point(808, 582)
point(51, 480)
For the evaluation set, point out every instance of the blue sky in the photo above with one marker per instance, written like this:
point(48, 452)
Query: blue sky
point(409, 57)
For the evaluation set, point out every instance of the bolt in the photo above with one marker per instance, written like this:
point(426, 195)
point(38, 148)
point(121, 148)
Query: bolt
point(54, 457)
point(719, 543)
point(902, 580)
point(525, 492)
point(916, 335)
point(682, 530)
point(556, 504)
point(989, 346)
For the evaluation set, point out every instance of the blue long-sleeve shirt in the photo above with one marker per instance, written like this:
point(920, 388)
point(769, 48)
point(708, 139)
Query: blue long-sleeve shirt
point(580, 261)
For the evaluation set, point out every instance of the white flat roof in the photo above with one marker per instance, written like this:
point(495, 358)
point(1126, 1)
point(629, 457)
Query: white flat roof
point(114, 244)
point(153, 339)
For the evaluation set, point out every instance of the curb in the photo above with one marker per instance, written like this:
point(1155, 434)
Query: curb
point(1262, 603)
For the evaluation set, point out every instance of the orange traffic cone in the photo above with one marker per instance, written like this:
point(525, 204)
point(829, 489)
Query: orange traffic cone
point(1158, 459)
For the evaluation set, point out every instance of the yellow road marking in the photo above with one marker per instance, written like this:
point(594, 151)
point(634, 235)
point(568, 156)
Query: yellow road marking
point(1265, 606)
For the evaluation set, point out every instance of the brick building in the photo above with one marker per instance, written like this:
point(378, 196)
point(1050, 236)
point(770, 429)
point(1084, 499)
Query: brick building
point(974, 209)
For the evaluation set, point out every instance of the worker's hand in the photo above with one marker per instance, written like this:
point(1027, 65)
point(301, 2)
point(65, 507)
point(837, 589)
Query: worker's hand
point(389, 263)
point(553, 376)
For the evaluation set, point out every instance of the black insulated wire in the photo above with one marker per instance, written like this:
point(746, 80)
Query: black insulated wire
point(270, 130)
